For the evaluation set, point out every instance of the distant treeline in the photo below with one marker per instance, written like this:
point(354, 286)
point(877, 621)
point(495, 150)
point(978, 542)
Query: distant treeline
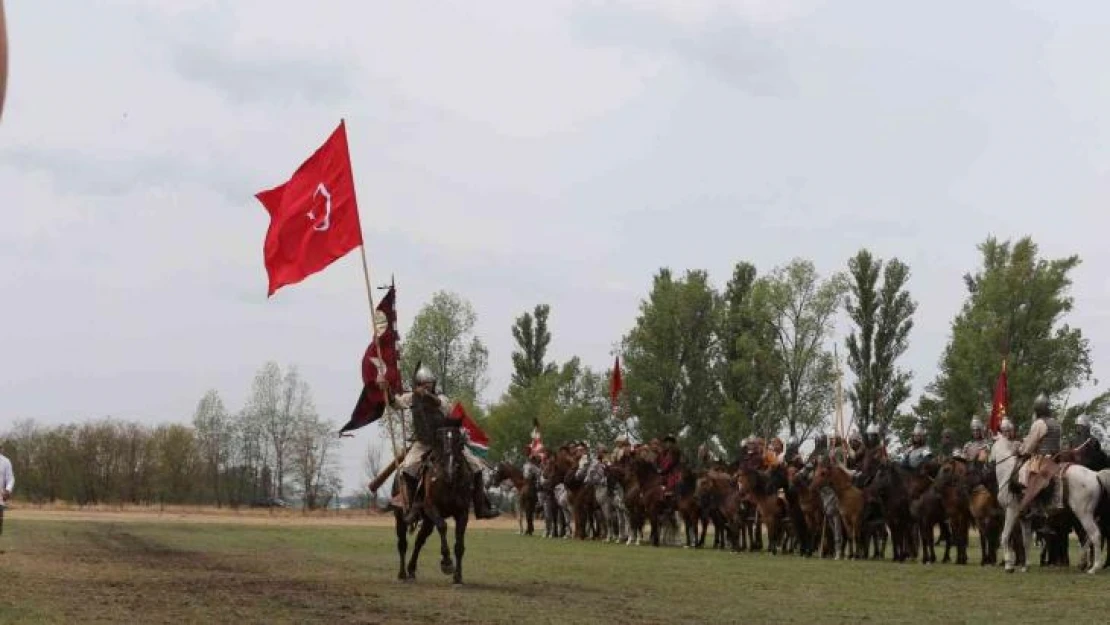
point(275, 447)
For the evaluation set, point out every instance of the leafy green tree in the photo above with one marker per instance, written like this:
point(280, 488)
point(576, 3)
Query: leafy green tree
point(532, 338)
point(802, 312)
point(570, 404)
point(750, 369)
point(670, 360)
point(883, 318)
point(442, 337)
point(1016, 308)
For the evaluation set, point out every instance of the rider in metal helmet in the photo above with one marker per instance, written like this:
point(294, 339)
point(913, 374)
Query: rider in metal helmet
point(947, 442)
point(918, 452)
point(430, 412)
point(1007, 428)
point(975, 450)
point(1083, 437)
point(873, 435)
point(1041, 406)
point(424, 378)
point(1083, 426)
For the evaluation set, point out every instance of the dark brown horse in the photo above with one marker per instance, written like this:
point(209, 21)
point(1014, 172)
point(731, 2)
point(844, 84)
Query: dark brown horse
point(447, 484)
point(951, 485)
point(889, 489)
point(651, 492)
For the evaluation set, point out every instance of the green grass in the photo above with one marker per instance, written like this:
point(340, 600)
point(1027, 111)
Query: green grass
point(89, 572)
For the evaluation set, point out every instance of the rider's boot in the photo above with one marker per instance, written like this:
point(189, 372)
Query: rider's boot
point(415, 506)
point(482, 507)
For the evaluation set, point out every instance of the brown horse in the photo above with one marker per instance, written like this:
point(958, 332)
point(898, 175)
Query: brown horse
point(850, 501)
point(447, 484)
point(526, 494)
point(812, 512)
point(762, 491)
point(951, 485)
point(650, 492)
point(889, 489)
point(718, 495)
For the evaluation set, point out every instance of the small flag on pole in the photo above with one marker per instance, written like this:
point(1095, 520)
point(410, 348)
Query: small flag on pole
point(616, 384)
point(477, 440)
point(998, 406)
point(380, 371)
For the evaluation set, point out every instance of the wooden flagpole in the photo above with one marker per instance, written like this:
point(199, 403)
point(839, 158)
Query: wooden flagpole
point(374, 333)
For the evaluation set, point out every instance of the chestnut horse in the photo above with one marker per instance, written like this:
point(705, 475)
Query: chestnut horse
point(526, 494)
point(851, 503)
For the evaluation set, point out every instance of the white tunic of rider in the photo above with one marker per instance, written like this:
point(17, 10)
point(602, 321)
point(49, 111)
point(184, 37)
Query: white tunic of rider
point(1033, 439)
point(411, 463)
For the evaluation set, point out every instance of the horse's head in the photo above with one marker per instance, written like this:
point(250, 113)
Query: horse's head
point(449, 448)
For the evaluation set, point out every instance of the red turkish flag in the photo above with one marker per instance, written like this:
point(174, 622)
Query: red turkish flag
point(313, 216)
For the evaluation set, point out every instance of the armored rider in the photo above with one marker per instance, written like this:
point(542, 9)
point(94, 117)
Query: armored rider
point(947, 447)
point(1082, 436)
point(919, 453)
point(1042, 443)
point(429, 413)
point(531, 468)
point(978, 448)
point(670, 461)
point(622, 448)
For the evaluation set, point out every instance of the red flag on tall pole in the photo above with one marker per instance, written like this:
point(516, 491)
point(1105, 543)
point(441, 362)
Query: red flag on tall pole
point(313, 215)
point(615, 385)
point(381, 373)
point(998, 406)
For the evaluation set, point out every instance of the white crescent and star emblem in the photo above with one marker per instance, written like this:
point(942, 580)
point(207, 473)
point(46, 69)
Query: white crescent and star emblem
point(325, 223)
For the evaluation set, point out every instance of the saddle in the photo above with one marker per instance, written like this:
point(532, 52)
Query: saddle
point(1043, 473)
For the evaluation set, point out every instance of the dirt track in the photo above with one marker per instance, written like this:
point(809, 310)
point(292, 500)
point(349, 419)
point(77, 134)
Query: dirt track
point(252, 517)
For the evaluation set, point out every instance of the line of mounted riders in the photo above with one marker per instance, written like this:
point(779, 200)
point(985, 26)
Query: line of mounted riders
point(847, 499)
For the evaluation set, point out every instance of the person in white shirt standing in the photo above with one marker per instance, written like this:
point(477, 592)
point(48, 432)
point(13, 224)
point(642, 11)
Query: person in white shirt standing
point(7, 485)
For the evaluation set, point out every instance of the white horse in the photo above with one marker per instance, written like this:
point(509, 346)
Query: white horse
point(1004, 457)
point(1084, 490)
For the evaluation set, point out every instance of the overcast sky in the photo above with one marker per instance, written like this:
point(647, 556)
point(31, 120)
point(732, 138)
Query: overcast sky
point(516, 153)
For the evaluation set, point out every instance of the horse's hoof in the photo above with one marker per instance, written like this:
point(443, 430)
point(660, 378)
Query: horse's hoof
point(447, 568)
point(1024, 569)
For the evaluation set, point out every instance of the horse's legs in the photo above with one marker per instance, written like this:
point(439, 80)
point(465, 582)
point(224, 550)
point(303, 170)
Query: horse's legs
point(460, 543)
point(1026, 541)
point(421, 538)
point(402, 543)
point(1093, 542)
point(1008, 554)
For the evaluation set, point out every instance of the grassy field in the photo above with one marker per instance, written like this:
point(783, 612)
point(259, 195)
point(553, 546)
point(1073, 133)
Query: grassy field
point(63, 570)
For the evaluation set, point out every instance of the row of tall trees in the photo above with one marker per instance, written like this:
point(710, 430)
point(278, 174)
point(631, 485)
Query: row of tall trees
point(759, 356)
point(276, 446)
